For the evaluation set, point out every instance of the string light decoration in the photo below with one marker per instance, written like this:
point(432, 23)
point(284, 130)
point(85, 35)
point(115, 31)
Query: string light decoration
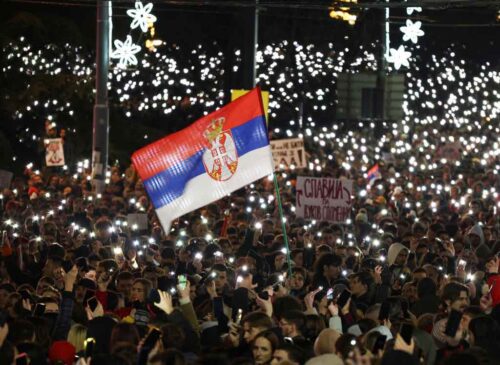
point(125, 51)
point(411, 31)
point(454, 94)
point(399, 57)
point(411, 10)
point(343, 13)
point(141, 16)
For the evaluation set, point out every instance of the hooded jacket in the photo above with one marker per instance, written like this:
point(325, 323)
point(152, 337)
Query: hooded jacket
point(393, 252)
point(478, 231)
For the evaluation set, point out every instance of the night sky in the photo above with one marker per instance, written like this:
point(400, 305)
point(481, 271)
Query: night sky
point(474, 27)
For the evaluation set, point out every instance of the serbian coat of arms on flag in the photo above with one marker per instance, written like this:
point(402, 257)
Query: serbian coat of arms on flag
point(221, 158)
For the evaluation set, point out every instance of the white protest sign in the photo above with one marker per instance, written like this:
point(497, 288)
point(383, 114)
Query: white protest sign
point(288, 152)
point(139, 219)
point(450, 151)
point(323, 198)
point(5, 179)
point(54, 152)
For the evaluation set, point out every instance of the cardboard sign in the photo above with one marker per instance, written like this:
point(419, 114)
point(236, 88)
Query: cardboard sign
point(140, 219)
point(388, 158)
point(5, 179)
point(54, 152)
point(323, 199)
point(450, 151)
point(287, 152)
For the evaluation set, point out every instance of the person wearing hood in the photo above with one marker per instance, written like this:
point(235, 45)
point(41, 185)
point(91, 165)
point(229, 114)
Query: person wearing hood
point(397, 257)
point(475, 236)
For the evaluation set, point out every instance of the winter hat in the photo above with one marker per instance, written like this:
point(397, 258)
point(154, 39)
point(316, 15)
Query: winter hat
point(62, 351)
point(362, 217)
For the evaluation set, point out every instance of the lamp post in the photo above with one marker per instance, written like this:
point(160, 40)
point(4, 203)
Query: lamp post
point(100, 127)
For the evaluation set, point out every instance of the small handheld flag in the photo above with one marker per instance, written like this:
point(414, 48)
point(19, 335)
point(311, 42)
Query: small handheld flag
point(373, 174)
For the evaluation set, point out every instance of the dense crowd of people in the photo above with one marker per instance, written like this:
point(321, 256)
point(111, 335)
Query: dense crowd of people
point(412, 276)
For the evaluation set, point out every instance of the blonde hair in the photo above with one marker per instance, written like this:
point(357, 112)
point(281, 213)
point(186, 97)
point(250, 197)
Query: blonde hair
point(77, 335)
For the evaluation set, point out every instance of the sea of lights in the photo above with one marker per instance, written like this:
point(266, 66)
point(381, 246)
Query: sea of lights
point(444, 92)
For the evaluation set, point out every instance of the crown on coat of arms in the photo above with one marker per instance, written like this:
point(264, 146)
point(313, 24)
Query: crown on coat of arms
point(214, 129)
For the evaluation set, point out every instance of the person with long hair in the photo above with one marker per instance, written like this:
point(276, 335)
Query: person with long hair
point(263, 347)
point(76, 336)
point(485, 338)
point(124, 333)
point(327, 270)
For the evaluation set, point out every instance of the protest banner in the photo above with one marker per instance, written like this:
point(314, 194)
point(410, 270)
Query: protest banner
point(450, 152)
point(5, 179)
point(388, 158)
point(54, 152)
point(137, 221)
point(287, 152)
point(323, 198)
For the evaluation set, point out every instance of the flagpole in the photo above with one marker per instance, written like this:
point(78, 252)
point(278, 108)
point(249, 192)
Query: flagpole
point(283, 225)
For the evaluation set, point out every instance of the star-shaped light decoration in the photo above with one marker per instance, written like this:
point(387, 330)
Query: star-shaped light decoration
point(125, 52)
point(399, 57)
point(412, 31)
point(141, 16)
point(410, 11)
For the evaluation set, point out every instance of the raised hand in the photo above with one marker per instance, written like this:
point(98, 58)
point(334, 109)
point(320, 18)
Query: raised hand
point(70, 278)
point(265, 304)
point(309, 298)
point(492, 265)
point(486, 303)
point(211, 290)
point(334, 309)
point(234, 333)
point(184, 293)
point(4, 331)
point(165, 302)
point(98, 311)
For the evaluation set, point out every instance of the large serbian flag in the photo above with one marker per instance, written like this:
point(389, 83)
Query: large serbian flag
point(214, 156)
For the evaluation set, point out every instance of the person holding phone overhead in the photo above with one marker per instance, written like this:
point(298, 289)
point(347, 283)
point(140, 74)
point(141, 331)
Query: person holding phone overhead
point(448, 332)
point(493, 279)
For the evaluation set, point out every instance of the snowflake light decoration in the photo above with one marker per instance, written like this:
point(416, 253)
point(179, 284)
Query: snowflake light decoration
point(412, 31)
point(410, 11)
point(141, 16)
point(125, 52)
point(399, 57)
